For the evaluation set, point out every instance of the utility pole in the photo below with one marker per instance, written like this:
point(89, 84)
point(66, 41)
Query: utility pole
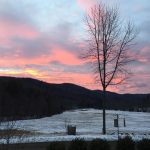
point(118, 125)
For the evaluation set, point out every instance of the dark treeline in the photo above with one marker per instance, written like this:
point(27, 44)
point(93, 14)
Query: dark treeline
point(26, 97)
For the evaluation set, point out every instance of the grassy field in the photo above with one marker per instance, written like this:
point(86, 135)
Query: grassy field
point(14, 132)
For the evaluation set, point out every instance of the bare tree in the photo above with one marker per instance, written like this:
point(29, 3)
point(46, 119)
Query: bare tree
point(10, 134)
point(8, 131)
point(109, 39)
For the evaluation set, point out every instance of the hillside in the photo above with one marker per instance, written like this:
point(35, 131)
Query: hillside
point(26, 97)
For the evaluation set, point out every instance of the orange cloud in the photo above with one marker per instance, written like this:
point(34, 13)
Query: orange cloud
point(11, 71)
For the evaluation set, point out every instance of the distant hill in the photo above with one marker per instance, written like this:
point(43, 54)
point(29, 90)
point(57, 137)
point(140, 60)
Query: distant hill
point(26, 97)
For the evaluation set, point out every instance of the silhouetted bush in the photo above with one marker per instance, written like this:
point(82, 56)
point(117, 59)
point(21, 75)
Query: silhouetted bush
point(56, 146)
point(78, 144)
point(125, 144)
point(144, 144)
point(98, 144)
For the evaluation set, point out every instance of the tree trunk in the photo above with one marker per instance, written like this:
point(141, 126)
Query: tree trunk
point(104, 113)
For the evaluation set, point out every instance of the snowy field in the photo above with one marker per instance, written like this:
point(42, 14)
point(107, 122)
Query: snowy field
point(88, 123)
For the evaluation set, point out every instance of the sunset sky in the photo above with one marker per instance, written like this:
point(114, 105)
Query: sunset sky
point(43, 39)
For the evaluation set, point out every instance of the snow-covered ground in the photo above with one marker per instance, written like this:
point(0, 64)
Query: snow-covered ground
point(89, 125)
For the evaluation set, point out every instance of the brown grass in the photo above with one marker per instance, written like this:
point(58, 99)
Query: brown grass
point(14, 132)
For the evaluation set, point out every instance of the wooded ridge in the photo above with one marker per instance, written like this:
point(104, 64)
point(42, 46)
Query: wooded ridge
point(30, 98)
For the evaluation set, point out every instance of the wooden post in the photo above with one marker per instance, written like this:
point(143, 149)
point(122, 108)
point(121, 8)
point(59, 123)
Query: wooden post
point(124, 122)
point(118, 125)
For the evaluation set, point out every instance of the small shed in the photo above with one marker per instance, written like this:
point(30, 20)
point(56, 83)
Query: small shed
point(71, 130)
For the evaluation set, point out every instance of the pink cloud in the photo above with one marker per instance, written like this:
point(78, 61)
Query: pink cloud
point(64, 56)
point(86, 4)
point(10, 62)
point(57, 54)
point(144, 54)
point(10, 29)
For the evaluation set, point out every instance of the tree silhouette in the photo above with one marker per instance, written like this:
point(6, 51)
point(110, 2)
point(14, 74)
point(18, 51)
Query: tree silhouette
point(109, 39)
